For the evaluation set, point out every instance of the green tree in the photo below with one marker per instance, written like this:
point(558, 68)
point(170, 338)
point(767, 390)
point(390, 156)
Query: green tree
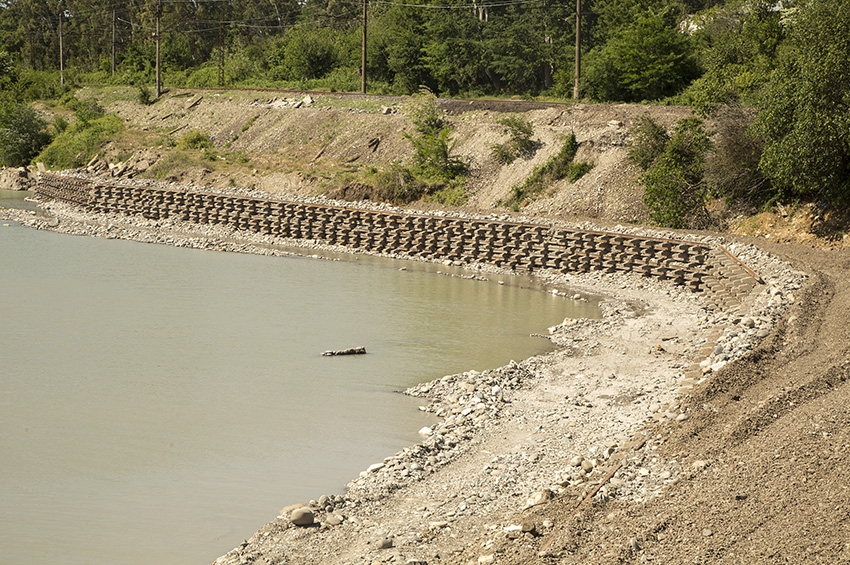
point(648, 60)
point(454, 54)
point(674, 189)
point(23, 133)
point(307, 52)
point(805, 110)
point(395, 50)
point(737, 53)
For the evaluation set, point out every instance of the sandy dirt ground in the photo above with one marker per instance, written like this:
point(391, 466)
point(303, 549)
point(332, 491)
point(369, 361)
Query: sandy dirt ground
point(607, 452)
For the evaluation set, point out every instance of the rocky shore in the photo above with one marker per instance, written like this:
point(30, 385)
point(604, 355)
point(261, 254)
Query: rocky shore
point(580, 425)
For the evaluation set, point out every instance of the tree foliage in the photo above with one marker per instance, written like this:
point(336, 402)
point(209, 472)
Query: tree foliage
point(804, 112)
point(674, 189)
point(648, 60)
point(23, 133)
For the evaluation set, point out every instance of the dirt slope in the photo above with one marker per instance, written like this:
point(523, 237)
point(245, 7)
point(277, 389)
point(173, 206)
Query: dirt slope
point(766, 451)
point(298, 143)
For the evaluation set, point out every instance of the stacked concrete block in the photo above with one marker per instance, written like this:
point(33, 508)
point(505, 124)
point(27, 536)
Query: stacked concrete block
point(518, 246)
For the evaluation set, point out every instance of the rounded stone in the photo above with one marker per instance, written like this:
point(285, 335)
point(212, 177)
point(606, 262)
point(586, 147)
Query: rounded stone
point(302, 516)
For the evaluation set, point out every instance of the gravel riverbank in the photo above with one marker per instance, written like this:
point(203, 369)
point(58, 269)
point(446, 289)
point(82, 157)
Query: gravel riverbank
point(571, 425)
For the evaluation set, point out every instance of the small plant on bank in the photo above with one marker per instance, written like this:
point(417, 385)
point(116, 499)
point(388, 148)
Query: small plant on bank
point(247, 125)
point(145, 97)
point(519, 143)
point(195, 139)
point(555, 169)
point(577, 170)
point(60, 124)
point(432, 146)
point(649, 139)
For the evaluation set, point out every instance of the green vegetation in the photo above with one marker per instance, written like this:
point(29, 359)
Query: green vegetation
point(804, 118)
point(81, 141)
point(432, 146)
point(434, 174)
point(561, 166)
point(195, 140)
point(76, 143)
point(771, 78)
point(675, 191)
point(247, 125)
point(23, 133)
point(519, 143)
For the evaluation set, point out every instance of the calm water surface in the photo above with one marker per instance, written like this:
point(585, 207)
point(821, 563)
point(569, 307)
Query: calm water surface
point(158, 405)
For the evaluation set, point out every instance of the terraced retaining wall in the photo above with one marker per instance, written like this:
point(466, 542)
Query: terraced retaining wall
point(518, 246)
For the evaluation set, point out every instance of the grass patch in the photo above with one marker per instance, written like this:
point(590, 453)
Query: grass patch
point(454, 195)
point(174, 161)
point(195, 139)
point(247, 125)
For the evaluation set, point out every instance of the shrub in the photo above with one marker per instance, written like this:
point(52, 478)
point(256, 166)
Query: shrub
point(577, 170)
point(145, 96)
point(75, 146)
point(674, 190)
point(60, 124)
point(732, 171)
point(519, 143)
point(555, 169)
point(452, 195)
point(650, 137)
point(398, 185)
point(23, 133)
point(195, 139)
point(432, 146)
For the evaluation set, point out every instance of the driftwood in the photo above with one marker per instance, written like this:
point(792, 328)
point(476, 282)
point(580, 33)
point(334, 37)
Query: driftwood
point(593, 492)
point(350, 351)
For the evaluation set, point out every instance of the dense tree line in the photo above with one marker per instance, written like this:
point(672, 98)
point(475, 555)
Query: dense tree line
point(469, 47)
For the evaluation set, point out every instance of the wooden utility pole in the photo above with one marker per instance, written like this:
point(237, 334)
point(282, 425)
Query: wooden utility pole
point(156, 34)
point(363, 53)
point(220, 50)
point(576, 91)
point(113, 42)
point(61, 46)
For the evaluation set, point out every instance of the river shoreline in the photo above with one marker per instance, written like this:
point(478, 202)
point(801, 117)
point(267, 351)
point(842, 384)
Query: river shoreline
point(512, 439)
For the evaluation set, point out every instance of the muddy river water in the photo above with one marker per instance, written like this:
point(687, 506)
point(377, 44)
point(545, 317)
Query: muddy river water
point(158, 404)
